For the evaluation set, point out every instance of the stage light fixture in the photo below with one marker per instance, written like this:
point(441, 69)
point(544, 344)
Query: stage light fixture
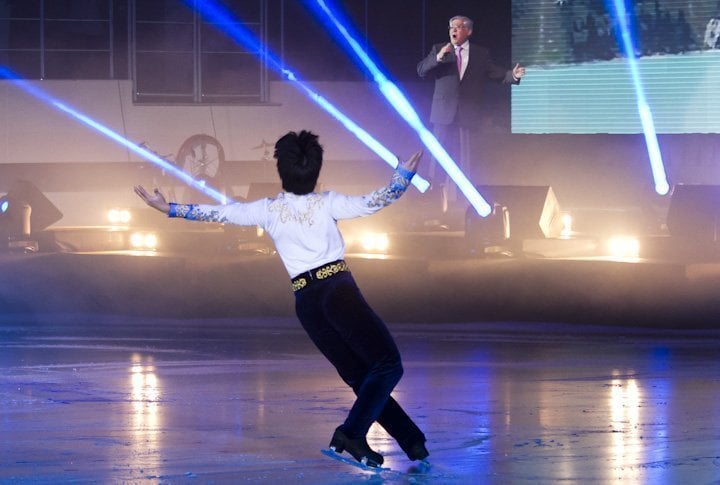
point(374, 242)
point(6, 222)
point(401, 104)
point(146, 241)
point(119, 216)
point(567, 225)
point(624, 247)
point(24, 212)
point(662, 186)
point(224, 20)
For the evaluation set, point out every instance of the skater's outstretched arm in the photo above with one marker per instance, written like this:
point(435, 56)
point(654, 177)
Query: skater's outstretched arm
point(239, 213)
point(348, 207)
point(399, 183)
point(156, 200)
point(411, 163)
point(248, 214)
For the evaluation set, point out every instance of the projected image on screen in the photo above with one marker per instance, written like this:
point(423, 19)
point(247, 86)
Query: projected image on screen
point(579, 77)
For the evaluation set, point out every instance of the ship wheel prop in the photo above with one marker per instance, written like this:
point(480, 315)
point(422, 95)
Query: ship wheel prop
point(203, 158)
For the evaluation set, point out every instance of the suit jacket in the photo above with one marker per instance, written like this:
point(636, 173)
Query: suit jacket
point(456, 101)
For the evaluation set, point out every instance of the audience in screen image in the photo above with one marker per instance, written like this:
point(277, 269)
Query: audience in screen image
point(578, 31)
point(712, 34)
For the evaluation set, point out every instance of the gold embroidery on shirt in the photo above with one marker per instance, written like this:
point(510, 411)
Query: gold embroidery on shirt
point(288, 213)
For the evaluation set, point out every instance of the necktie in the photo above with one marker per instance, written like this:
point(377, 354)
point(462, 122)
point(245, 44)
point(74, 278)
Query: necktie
point(458, 58)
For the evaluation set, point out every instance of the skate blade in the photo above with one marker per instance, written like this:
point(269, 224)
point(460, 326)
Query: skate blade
point(351, 461)
point(422, 468)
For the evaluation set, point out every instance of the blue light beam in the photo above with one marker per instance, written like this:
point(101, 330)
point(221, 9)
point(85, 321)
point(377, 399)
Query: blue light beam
point(404, 108)
point(222, 18)
point(646, 119)
point(200, 185)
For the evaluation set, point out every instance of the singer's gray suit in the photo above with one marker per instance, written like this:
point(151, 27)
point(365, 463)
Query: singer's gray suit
point(456, 103)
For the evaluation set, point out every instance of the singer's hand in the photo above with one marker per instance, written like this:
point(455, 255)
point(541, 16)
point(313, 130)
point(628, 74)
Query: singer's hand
point(518, 71)
point(445, 50)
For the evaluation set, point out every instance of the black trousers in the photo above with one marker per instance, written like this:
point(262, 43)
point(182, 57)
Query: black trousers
point(356, 341)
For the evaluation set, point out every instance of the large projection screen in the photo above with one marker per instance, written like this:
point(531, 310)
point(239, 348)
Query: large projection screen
point(578, 75)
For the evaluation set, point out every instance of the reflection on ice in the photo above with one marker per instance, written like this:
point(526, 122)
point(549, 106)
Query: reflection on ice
point(145, 411)
point(627, 444)
point(180, 399)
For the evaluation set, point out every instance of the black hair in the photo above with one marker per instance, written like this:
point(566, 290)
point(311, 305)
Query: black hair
point(299, 160)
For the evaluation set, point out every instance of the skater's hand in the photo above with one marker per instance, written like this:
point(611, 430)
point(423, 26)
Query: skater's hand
point(411, 163)
point(156, 200)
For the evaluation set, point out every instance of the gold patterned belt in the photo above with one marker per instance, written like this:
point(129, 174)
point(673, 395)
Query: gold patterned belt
point(320, 273)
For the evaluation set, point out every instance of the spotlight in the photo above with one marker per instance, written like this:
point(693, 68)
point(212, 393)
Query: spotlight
point(7, 225)
point(656, 163)
point(119, 216)
point(373, 242)
point(624, 247)
point(567, 225)
point(145, 241)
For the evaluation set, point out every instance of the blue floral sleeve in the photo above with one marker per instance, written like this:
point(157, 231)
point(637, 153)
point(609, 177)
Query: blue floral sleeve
point(194, 213)
point(241, 214)
point(385, 196)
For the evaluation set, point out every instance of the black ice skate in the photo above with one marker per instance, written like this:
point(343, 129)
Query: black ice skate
point(357, 447)
point(416, 451)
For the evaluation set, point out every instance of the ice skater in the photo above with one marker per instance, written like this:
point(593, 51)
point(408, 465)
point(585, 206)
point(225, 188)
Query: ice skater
point(303, 225)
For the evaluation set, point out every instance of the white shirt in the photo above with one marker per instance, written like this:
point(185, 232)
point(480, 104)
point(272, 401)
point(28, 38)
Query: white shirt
point(303, 227)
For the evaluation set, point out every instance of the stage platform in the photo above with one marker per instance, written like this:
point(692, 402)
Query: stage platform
point(641, 292)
